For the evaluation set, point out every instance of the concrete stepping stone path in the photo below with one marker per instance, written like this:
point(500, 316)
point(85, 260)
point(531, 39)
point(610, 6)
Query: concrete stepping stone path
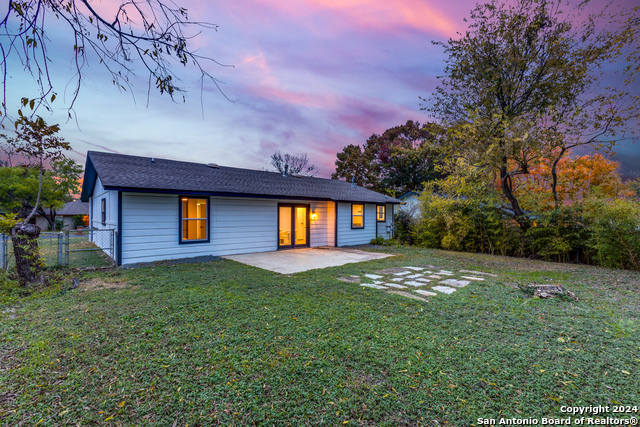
point(394, 278)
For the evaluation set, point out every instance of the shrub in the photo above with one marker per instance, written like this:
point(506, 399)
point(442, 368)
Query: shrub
point(59, 224)
point(78, 220)
point(614, 232)
point(404, 225)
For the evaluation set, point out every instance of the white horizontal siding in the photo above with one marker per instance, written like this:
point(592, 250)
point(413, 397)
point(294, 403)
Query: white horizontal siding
point(322, 229)
point(387, 224)
point(356, 236)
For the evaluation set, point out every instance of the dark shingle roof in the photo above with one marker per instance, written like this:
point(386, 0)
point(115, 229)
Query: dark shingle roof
point(132, 173)
point(76, 207)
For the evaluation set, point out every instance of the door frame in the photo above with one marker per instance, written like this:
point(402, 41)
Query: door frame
point(293, 207)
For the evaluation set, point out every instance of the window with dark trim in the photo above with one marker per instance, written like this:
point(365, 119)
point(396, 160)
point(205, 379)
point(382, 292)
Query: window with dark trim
point(194, 220)
point(357, 216)
point(103, 211)
point(381, 213)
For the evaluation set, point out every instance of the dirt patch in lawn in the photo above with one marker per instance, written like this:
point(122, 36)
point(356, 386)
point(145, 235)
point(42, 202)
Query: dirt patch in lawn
point(95, 284)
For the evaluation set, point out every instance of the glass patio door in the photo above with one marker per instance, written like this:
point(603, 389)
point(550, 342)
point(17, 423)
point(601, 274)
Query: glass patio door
point(293, 226)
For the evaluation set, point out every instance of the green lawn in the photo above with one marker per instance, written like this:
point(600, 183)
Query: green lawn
point(223, 343)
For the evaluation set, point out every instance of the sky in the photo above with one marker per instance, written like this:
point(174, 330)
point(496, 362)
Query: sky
point(304, 76)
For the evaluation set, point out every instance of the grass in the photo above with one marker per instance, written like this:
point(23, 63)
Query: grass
point(226, 344)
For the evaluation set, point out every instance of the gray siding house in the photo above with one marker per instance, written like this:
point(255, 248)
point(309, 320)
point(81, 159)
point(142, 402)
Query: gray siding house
point(166, 209)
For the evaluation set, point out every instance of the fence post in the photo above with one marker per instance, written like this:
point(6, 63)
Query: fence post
point(3, 250)
point(60, 248)
point(66, 252)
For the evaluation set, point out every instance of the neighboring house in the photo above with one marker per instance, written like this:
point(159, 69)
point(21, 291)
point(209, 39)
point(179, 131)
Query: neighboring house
point(66, 214)
point(411, 203)
point(165, 209)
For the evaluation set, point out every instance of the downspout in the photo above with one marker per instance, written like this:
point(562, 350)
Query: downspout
point(119, 232)
point(335, 228)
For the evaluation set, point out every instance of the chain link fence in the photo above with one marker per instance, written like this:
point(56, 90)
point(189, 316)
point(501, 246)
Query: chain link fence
point(83, 249)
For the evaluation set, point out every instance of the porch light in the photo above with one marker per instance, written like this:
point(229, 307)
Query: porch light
point(313, 215)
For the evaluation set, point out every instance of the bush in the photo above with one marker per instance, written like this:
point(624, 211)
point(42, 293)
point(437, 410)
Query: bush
point(59, 224)
point(614, 232)
point(404, 225)
point(464, 224)
point(78, 220)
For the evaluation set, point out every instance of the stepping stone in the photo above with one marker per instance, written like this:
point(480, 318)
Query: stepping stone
point(445, 273)
point(434, 276)
point(408, 295)
point(351, 279)
point(404, 273)
point(422, 279)
point(415, 268)
point(371, 285)
point(425, 293)
point(390, 270)
point(456, 283)
point(472, 278)
point(373, 276)
point(395, 285)
point(397, 279)
point(444, 289)
point(414, 283)
point(377, 282)
point(414, 276)
point(478, 272)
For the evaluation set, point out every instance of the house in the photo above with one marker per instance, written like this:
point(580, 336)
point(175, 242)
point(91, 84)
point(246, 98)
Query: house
point(66, 214)
point(411, 204)
point(166, 209)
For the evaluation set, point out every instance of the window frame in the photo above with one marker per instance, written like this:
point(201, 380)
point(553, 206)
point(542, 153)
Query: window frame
point(180, 219)
point(354, 227)
point(103, 211)
point(384, 213)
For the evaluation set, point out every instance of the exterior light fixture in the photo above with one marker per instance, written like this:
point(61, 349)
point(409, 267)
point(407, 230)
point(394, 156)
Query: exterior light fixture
point(314, 216)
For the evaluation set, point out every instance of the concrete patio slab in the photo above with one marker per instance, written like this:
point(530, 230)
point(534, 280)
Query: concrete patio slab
point(297, 260)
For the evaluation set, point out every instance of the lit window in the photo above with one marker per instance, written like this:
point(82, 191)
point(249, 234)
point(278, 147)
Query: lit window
point(381, 213)
point(194, 219)
point(357, 216)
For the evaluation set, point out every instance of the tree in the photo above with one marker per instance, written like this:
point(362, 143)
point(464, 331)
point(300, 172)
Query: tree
point(19, 188)
point(522, 81)
point(154, 33)
point(399, 160)
point(292, 164)
point(37, 141)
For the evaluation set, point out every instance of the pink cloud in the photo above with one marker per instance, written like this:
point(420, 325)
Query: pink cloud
point(376, 15)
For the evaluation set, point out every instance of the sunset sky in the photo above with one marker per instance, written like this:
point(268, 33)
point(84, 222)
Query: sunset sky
point(306, 76)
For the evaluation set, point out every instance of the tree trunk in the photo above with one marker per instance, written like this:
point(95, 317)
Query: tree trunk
point(554, 176)
point(29, 264)
point(518, 214)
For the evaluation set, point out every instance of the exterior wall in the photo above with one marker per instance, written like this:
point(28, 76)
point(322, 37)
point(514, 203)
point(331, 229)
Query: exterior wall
point(67, 222)
point(385, 228)
point(357, 236)
point(111, 197)
point(150, 227)
point(323, 228)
